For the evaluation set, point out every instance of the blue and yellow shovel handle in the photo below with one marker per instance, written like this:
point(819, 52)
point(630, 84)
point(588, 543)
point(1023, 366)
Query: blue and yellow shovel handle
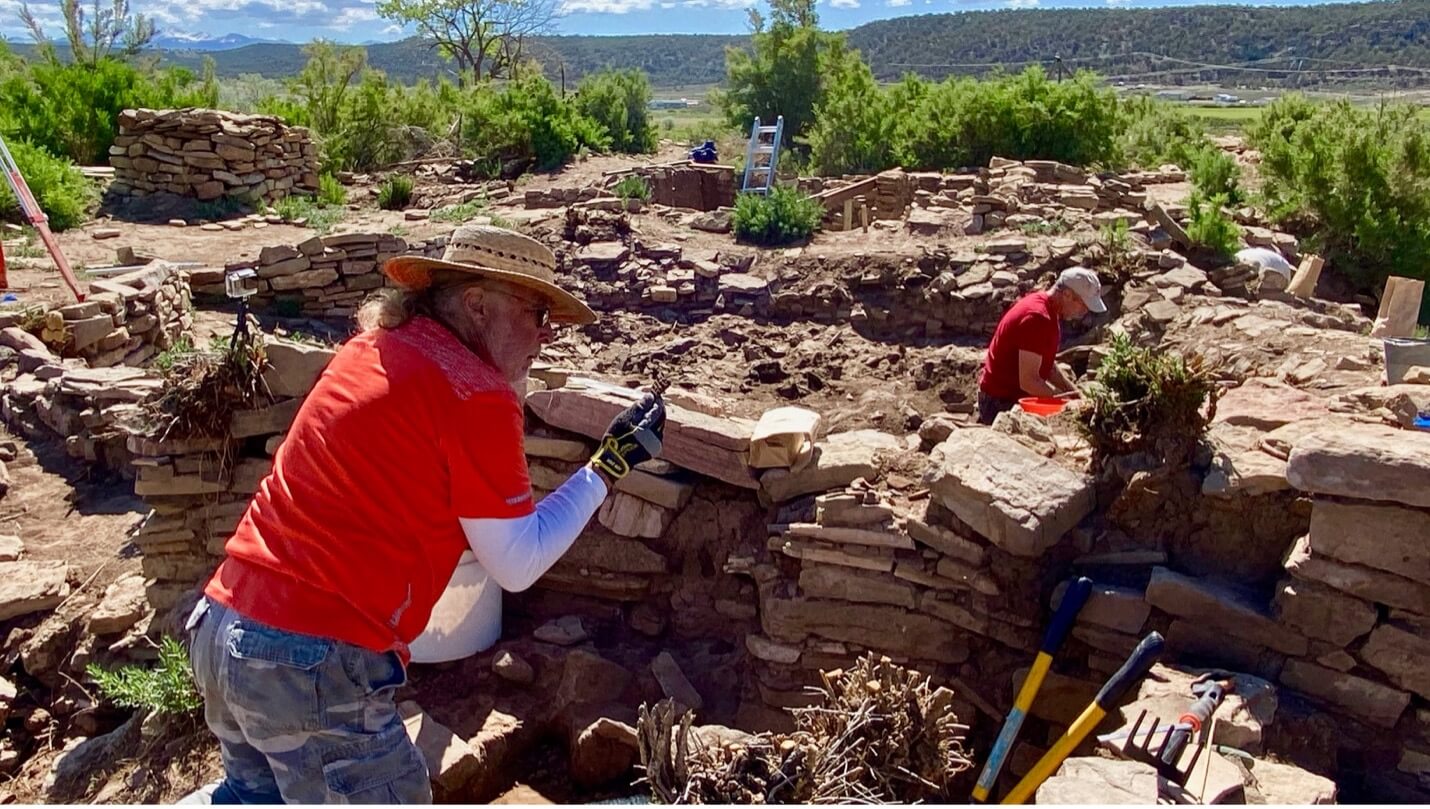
point(1072, 602)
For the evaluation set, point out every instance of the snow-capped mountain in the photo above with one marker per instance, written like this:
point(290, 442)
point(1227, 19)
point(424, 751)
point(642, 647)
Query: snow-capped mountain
point(186, 41)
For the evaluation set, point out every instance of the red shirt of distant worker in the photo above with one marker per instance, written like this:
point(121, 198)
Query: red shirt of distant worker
point(1020, 358)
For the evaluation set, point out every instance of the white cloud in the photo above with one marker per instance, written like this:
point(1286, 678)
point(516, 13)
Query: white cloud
point(605, 6)
point(353, 15)
point(844, 3)
point(1022, 3)
point(394, 28)
point(897, 3)
point(723, 4)
point(1119, 2)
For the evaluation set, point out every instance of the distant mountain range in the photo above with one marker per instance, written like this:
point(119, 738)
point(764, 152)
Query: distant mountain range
point(184, 41)
point(1385, 41)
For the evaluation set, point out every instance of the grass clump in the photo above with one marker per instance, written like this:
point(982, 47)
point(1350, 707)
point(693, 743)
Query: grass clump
point(632, 186)
point(331, 192)
point(782, 216)
point(321, 218)
point(458, 213)
point(395, 193)
point(167, 688)
point(1146, 400)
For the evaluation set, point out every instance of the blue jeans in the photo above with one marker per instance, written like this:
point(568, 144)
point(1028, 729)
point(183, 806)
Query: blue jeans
point(301, 719)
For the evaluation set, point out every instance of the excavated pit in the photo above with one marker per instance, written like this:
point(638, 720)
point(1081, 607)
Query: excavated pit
point(911, 534)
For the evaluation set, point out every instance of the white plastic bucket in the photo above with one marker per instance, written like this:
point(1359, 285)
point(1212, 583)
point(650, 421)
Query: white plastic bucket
point(465, 620)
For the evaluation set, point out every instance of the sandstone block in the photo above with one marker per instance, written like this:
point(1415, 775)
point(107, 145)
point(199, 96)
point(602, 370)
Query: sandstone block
point(1090, 780)
point(29, 587)
point(451, 762)
point(1323, 612)
point(1365, 462)
point(293, 368)
point(1403, 656)
point(1019, 500)
point(838, 460)
point(1389, 538)
point(1365, 583)
point(1220, 606)
point(1380, 705)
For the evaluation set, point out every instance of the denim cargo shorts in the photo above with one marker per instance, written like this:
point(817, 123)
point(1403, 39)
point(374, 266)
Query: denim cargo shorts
point(302, 719)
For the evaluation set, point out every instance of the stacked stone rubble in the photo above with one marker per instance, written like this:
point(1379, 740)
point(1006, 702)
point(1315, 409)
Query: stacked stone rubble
point(82, 375)
point(325, 276)
point(198, 488)
point(211, 154)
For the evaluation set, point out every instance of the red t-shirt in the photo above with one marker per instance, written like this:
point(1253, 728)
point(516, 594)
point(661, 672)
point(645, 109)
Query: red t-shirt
point(1030, 325)
point(354, 535)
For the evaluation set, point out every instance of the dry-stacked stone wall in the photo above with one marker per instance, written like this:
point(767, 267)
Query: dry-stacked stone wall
point(211, 154)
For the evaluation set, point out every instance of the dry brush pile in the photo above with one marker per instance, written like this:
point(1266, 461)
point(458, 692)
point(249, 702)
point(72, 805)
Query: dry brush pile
point(878, 733)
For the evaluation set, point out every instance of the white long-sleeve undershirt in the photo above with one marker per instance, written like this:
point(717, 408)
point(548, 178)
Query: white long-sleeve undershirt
point(516, 552)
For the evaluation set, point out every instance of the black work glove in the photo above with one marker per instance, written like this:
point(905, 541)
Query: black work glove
point(634, 436)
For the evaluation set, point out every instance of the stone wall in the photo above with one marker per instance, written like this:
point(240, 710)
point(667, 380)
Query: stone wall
point(209, 154)
point(325, 276)
point(82, 377)
point(699, 188)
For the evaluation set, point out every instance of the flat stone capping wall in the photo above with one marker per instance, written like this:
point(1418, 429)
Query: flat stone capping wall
point(209, 154)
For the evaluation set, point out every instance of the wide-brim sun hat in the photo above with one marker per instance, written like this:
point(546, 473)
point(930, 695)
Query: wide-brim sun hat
point(493, 252)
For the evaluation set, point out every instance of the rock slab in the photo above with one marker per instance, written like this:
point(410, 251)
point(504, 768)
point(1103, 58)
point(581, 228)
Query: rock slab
point(1366, 462)
point(1014, 497)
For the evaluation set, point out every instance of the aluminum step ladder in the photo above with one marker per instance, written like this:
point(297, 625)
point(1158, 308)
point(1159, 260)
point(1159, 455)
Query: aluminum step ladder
point(762, 156)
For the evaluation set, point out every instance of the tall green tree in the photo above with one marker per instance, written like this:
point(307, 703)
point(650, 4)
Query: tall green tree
point(324, 82)
point(479, 35)
point(781, 74)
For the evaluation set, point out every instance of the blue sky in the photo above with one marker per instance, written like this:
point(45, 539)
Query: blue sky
point(357, 21)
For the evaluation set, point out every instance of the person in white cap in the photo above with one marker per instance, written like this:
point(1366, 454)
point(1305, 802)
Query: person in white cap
point(1020, 358)
point(407, 452)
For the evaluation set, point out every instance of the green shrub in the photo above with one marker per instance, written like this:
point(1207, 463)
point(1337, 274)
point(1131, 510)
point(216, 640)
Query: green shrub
point(526, 120)
point(168, 688)
point(1154, 133)
point(782, 216)
point(1210, 228)
point(395, 193)
point(1215, 173)
point(1147, 400)
point(61, 191)
point(73, 110)
point(1355, 181)
point(617, 100)
point(331, 192)
point(632, 186)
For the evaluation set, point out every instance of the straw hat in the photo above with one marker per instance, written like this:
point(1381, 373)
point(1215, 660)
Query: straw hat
point(494, 252)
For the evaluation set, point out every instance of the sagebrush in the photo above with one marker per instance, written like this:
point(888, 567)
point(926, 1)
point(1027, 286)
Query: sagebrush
point(1354, 182)
point(1210, 227)
point(632, 186)
point(167, 688)
point(782, 216)
point(1147, 400)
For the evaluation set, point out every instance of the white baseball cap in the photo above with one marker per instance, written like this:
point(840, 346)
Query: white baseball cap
point(1084, 282)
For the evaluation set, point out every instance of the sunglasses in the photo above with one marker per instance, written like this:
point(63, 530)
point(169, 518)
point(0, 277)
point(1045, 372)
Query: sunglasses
point(540, 311)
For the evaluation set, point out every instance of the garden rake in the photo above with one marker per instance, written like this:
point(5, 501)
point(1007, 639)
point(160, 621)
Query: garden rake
point(36, 217)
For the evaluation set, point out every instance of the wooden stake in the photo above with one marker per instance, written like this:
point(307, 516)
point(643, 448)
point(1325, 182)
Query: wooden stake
point(849, 214)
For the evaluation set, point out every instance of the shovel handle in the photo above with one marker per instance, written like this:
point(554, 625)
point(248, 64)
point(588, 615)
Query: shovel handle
point(1132, 671)
point(1073, 598)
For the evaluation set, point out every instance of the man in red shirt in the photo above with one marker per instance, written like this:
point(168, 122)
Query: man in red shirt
point(1020, 358)
point(407, 452)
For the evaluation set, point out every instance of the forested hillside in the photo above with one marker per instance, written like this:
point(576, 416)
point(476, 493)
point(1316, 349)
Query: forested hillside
point(1291, 46)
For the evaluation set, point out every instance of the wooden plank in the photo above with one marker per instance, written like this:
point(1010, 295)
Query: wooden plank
point(833, 199)
point(1167, 223)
